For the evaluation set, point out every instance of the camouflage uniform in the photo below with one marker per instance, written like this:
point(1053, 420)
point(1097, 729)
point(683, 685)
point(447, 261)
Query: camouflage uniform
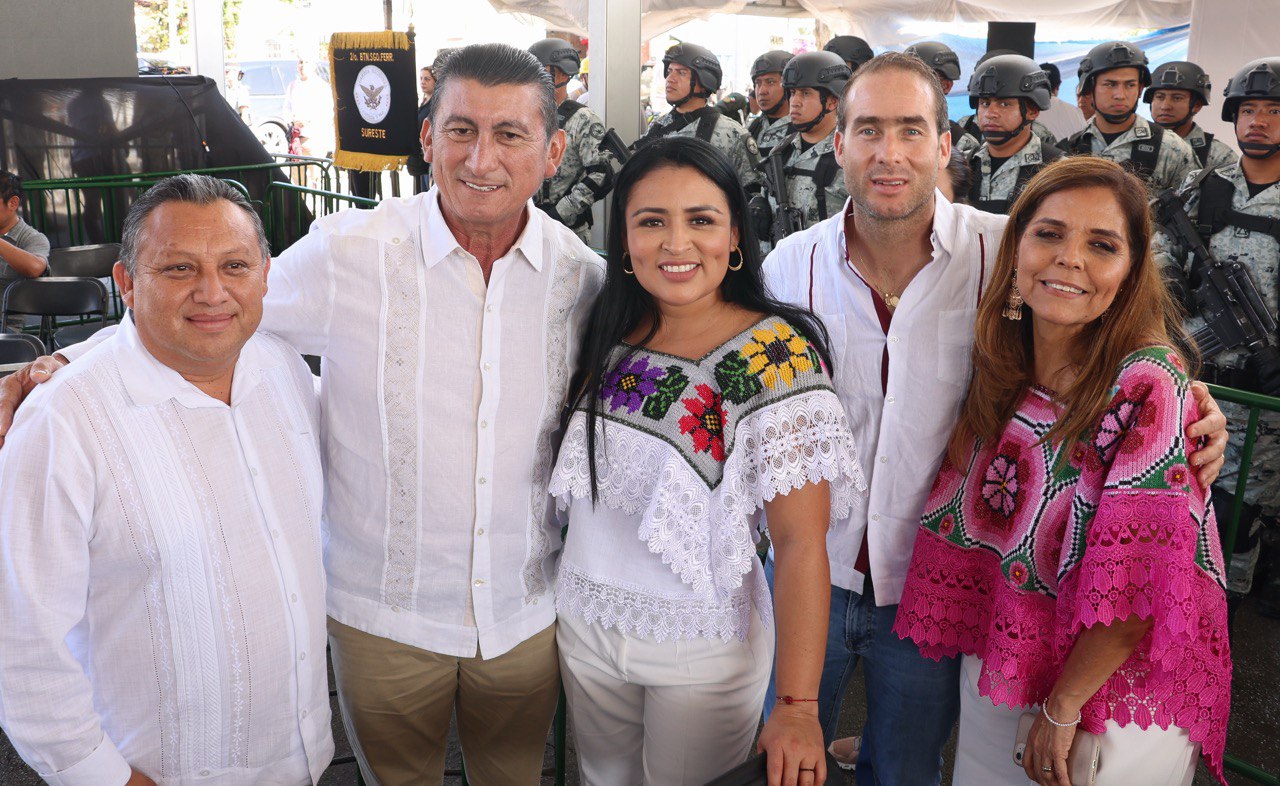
point(729, 137)
point(1259, 253)
point(1173, 163)
point(962, 140)
point(1002, 185)
point(769, 132)
point(584, 177)
point(802, 171)
point(1219, 154)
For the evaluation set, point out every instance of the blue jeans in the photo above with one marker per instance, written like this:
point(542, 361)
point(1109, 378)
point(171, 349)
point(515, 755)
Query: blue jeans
point(912, 701)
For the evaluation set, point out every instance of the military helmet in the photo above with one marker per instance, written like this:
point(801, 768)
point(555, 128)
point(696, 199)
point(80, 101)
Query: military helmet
point(818, 70)
point(1110, 56)
point(1258, 79)
point(770, 63)
point(559, 53)
point(698, 59)
point(734, 106)
point(937, 56)
point(851, 49)
point(1009, 76)
point(1179, 75)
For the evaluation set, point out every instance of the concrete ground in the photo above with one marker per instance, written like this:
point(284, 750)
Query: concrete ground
point(1254, 732)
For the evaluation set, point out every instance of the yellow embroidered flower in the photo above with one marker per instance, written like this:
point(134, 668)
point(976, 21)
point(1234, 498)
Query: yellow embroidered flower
point(777, 353)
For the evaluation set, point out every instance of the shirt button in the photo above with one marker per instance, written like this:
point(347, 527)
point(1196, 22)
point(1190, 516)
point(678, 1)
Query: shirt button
point(293, 597)
point(889, 400)
point(480, 531)
point(488, 366)
point(479, 582)
point(395, 609)
point(875, 517)
point(253, 472)
point(484, 424)
point(489, 308)
point(302, 656)
point(395, 241)
point(483, 481)
point(884, 459)
point(893, 339)
point(275, 533)
point(204, 773)
point(304, 714)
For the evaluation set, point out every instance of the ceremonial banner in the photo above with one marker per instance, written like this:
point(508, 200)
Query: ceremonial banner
point(375, 99)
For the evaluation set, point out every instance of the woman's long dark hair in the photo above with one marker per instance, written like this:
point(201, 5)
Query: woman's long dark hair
point(623, 304)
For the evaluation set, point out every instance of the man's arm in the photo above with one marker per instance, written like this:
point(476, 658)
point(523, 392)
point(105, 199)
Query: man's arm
point(25, 263)
point(46, 699)
point(597, 173)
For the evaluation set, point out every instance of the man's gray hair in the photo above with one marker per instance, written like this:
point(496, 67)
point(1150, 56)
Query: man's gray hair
point(897, 61)
point(193, 189)
point(492, 65)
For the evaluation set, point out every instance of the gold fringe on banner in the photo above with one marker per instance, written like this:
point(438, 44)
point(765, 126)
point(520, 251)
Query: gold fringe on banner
point(384, 39)
point(367, 162)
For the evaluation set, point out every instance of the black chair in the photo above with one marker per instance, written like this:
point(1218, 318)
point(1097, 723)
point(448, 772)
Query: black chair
point(58, 297)
point(19, 348)
point(94, 261)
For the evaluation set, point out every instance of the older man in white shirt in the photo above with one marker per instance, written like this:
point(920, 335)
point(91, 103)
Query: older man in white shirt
point(448, 324)
point(896, 278)
point(160, 545)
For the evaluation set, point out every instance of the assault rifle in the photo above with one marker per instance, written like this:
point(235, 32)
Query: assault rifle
point(786, 218)
point(1228, 300)
point(612, 143)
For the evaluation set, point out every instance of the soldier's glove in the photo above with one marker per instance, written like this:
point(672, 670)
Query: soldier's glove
point(761, 216)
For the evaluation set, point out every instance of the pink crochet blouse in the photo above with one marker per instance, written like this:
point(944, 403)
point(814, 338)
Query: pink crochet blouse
point(1028, 544)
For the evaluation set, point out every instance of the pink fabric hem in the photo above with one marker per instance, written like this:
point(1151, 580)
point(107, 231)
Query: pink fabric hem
point(1136, 562)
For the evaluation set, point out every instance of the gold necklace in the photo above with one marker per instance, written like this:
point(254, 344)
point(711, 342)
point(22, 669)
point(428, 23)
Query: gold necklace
point(889, 298)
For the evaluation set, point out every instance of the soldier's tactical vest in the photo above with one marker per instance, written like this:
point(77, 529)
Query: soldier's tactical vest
point(823, 174)
point(1049, 153)
point(706, 118)
point(1142, 158)
point(1215, 212)
point(1202, 152)
point(957, 133)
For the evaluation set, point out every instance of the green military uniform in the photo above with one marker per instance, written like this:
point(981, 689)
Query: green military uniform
point(769, 132)
point(1173, 159)
point(994, 191)
point(1260, 253)
point(585, 174)
point(815, 185)
point(727, 136)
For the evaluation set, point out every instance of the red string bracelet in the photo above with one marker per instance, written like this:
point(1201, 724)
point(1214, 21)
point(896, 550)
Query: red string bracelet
point(793, 700)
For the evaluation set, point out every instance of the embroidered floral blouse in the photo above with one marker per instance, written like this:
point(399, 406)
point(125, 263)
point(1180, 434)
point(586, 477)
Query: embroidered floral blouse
point(687, 452)
point(1028, 544)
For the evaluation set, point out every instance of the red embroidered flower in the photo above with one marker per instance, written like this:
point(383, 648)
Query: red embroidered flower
point(1018, 573)
point(947, 525)
point(1176, 476)
point(1078, 456)
point(705, 422)
point(1177, 362)
point(1000, 485)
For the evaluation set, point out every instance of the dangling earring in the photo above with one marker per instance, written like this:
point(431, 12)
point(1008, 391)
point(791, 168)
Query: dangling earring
point(737, 251)
point(629, 271)
point(1013, 308)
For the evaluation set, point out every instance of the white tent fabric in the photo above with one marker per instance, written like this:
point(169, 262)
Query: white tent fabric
point(878, 20)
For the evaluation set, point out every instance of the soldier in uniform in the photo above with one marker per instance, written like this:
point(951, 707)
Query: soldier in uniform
point(1179, 90)
point(852, 50)
point(946, 64)
point(1114, 73)
point(693, 73)
point(773, 123)
point(586, 171)
point(814, 82)
point(1237, 210)
point(1009, 92)
point(972, 126)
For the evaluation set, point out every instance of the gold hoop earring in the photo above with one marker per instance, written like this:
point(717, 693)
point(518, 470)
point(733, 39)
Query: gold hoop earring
point(1013, 307)
point(630, 271)
point(737, 251)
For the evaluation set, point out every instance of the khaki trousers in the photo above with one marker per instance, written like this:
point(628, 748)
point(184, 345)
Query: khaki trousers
point(397, 700)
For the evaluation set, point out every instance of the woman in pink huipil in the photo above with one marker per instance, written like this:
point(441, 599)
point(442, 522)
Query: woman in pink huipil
point(1066, 549)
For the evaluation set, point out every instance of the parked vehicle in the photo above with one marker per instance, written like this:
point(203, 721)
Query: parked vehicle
point(267, 81)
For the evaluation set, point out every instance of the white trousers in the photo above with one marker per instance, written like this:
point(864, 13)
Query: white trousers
point(661, 714)
point(1129, 756)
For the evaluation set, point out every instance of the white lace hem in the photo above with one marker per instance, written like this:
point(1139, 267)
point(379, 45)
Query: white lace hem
point(636, 612)
point(707, 537)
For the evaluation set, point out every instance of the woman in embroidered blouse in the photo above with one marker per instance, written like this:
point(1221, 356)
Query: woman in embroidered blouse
point(704, 402)
point(1066, 549)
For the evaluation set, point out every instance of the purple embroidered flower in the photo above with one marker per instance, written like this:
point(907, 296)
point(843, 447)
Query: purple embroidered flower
point(1000, 485)
point(630, 383)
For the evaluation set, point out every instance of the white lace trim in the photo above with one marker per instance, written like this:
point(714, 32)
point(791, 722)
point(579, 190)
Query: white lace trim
point(642, 613)
point(706, 536)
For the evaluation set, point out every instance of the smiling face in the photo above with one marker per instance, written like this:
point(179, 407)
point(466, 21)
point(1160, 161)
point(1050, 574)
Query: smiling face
point(197, 286)
point(890, 148)
point(489, 152)
point(679, 236)
point(1073, 258)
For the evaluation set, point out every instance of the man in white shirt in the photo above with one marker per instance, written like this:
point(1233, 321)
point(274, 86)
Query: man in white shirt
point(160, 544)
point(896, 278)
point(448, 324)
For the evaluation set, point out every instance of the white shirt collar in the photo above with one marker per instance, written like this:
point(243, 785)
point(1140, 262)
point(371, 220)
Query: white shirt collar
point(439, 242)
point(149, 382)
point(944, 221)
